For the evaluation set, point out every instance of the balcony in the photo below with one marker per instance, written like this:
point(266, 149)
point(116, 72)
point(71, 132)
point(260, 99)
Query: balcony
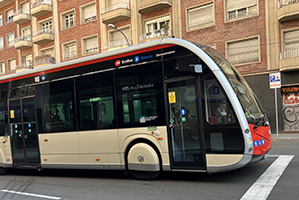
point(21, 16)
point(43, 60)
point(23, 67)
point(43, 36)
point(116, 13)
point(23, 43)
point(147, 6)
point(289, 60)
point(5, 2)
point(41, 7)
point(288, 10)
point(162, 33)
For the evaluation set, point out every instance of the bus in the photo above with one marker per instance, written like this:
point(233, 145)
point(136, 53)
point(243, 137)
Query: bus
point(166, 105)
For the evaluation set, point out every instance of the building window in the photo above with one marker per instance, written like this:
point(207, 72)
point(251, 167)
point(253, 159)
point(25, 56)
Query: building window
point(12, 65)
point(1, 20)
point(26, 33)
point(88, 12)
point(25, 7)
point(46, 26)
point(245, 51)
point(69, 20)
point(90, 45)
point(9, 15)
point(70, 50)
point(49, 51)
point(27, 61)
point(10, 39)
point(158, 27)
point(290, 44)
point(2, 68)
point(116, 39)
point(1, 43)
point(201, 16)
point(240, 8)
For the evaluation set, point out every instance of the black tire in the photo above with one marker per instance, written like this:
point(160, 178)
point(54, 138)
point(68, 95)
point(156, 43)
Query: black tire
point(2, 171)
point(145, 175)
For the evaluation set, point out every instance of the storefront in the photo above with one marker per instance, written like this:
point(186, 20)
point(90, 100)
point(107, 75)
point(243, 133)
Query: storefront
point(290, 101)
point(290, 108)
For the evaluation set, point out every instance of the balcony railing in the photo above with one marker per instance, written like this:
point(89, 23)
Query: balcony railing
point(23, 38)
point(156, 33)
point(282, 3)
point(44, 59)
point(292, 53)
point(21, 11)
point(116, 6)
point(40, 2)
point(25, 66)
point(43, 31)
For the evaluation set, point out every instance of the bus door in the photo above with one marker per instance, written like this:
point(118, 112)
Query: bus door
point(24, 139)
point(184, 124)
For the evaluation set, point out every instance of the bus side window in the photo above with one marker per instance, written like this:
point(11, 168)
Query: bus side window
point(140, 96)
point(55, 106)
point(96, 102)
point(218, 107)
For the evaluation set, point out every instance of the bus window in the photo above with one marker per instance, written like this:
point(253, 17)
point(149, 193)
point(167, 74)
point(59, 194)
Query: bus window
point(96, 104)
point(218, 108)
point(140, 95)
point(3, 114)
point(56, 106)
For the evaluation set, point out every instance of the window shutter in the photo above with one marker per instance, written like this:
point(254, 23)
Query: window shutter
point(117, 36)
point(291, 40)
point(89, 11)
point(12, 65)
point(25, 7)
point(201, 16)
point(91, 43)
point(243, 51)
point(238, 4)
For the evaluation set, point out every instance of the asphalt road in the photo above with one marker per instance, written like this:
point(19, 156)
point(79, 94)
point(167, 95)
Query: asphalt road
point(114, 185)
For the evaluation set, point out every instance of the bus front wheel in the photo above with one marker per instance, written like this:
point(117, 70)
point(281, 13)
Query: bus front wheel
point(143, 162)
point(2, 170)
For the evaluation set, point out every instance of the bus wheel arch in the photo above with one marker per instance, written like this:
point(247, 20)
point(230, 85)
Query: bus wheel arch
point(143, 159)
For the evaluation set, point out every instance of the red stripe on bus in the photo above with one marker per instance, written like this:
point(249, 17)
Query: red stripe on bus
point(89, 62)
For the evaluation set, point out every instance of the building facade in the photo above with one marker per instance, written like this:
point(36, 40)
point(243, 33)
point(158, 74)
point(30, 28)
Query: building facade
point(259, 37)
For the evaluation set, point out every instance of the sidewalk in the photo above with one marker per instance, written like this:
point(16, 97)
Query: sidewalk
point(285, 136)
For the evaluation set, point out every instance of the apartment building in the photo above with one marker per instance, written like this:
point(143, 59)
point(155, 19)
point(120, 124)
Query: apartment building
point(258, 37)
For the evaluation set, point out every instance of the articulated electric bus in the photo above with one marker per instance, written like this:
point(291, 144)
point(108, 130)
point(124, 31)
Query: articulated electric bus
point(166, 105)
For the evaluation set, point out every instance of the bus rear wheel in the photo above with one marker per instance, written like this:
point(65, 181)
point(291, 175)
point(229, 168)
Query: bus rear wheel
point(143, 162)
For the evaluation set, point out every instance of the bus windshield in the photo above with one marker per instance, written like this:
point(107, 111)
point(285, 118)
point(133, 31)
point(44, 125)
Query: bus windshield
point(249, 103)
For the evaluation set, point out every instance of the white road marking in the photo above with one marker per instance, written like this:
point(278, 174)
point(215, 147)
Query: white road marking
point(31, 194)
point(261, 189)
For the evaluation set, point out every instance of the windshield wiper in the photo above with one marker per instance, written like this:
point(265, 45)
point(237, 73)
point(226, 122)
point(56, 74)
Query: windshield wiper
point(260, 122)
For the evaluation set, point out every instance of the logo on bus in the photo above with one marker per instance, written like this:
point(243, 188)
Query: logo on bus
point(117, 63)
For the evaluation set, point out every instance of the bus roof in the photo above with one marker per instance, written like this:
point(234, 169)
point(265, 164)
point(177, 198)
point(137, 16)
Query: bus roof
point(119, 53)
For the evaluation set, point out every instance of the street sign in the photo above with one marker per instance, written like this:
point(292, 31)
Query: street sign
point(275, 80)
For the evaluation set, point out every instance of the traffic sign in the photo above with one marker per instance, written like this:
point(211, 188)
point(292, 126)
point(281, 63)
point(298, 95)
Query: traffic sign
point(275, 80)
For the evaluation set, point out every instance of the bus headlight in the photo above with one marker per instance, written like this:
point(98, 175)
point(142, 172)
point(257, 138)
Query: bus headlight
point(249, 140)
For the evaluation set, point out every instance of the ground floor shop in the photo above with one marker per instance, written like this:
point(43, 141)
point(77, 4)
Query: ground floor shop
point(287, 99)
